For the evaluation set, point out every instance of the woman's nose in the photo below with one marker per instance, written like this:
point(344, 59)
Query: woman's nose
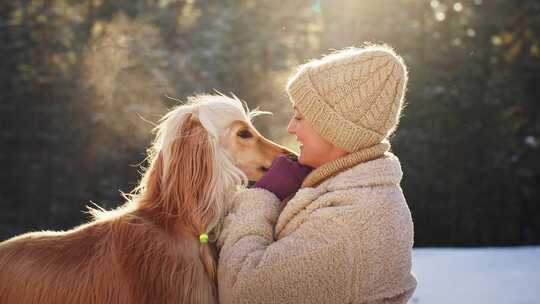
point(291, 128)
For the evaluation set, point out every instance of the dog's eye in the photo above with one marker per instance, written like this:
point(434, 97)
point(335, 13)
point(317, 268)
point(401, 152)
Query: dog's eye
point(244, 134)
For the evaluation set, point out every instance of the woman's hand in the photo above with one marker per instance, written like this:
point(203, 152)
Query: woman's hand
point(284, 177)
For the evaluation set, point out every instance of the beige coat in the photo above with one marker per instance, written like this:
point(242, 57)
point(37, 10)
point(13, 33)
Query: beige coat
point(348, 240)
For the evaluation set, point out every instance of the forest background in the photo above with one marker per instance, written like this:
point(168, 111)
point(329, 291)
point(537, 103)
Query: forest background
point(81, 82)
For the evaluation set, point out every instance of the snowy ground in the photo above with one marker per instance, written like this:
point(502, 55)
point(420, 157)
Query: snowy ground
point(507, 275)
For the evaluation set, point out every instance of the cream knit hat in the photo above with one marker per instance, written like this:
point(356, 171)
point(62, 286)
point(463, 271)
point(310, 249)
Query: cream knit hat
point(353, 97)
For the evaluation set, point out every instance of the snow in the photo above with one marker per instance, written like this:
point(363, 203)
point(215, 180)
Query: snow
point(503, 275)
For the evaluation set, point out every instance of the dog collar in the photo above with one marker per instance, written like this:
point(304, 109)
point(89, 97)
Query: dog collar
point(203, 238)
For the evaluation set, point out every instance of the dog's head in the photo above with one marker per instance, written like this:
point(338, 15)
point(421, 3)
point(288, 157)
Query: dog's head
point(249, 150)
point(203, 150)
point(228, 127)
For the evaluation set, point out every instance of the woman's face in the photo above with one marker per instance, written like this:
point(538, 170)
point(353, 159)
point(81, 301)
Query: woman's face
point(314, 149)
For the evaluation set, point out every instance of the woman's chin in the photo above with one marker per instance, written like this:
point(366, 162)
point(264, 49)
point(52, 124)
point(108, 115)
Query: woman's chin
point(302, 160)
point(306, 159)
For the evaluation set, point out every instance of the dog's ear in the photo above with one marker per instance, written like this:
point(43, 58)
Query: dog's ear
point(189, 173)
point(178, 186)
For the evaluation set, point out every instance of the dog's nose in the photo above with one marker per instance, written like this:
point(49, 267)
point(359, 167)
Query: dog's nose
point(290, 155)
point(287, 152)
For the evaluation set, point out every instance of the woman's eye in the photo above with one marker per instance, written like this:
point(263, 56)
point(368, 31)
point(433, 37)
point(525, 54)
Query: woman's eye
point(297, 118)
point(244, 134)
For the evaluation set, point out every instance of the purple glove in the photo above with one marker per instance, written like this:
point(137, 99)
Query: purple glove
point(284, 177)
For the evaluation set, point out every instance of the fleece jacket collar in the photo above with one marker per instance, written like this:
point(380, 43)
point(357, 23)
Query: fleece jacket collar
point(384, 171)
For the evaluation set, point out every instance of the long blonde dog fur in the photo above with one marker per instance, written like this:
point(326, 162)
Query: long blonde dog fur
point(148, 250)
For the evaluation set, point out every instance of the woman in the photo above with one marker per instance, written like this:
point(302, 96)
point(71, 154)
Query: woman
point(346, 235)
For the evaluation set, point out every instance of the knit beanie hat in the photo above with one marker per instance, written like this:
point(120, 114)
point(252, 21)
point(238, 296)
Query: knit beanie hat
point(353, 97)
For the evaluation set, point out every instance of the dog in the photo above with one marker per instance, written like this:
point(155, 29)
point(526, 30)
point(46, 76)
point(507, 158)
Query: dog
point(148, 250)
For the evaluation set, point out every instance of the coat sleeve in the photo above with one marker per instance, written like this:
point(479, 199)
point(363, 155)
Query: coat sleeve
point(311, 265)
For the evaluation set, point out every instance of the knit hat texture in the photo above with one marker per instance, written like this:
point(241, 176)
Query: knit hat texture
point(352, 97)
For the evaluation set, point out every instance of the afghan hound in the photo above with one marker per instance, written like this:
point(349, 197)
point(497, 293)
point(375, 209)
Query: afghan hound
point(149, 250)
